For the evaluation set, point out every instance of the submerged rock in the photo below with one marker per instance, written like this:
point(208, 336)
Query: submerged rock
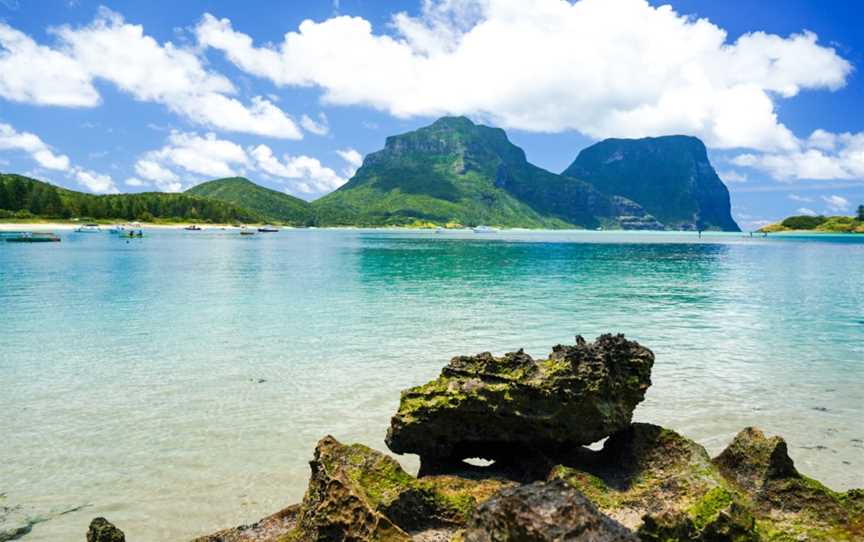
point(102, 530)
point(543, 511)
point(504, 408)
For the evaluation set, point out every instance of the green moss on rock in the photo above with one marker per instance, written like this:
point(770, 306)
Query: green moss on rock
point(502, 407)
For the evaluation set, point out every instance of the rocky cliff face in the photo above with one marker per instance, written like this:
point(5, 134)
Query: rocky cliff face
point(455, 170)
point(670, 177)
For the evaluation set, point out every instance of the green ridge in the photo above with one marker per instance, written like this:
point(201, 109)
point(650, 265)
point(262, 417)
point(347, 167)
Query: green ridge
point(273, 206)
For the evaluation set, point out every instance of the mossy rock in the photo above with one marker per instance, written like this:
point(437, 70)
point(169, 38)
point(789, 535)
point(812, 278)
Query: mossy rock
point(789, 506)
point(540, 512)
point(102, 530)
point(661, 484)
point(503, 408)
point(357, 493)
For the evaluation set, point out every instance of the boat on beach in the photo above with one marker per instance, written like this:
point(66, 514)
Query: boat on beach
point(31, 237)
point(88, 228)
point(484, 229)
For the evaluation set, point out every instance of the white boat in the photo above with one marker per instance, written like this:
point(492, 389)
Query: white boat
point(484, 229)
point(267, 228)
point(88, 228)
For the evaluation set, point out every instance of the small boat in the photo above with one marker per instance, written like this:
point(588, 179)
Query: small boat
point(247, 232)
point(267, 228)
point(484, 229)
point(88, 228)
point(29, 237)
point(131, 234)
point(192, 227)
point(117, 228)
point(439, 229)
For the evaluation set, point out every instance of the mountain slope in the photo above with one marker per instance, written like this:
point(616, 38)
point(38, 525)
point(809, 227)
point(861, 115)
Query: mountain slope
point(21, 197)
point(269, 204)
point(455, 170)
point(669, 176)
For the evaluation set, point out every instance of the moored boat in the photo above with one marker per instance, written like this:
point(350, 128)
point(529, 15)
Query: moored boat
point(192, 227)
point(267, 228)
point(30, 237)
point(88, 228)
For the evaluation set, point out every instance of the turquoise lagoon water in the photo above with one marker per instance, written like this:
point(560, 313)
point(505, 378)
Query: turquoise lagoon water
point(178, 384)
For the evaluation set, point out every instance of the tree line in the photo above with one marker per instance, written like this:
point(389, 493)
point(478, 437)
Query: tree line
point(22, 197)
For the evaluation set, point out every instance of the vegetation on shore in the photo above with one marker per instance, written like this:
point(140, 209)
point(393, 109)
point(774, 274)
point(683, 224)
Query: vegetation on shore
point(23, 198)
point(826, 224)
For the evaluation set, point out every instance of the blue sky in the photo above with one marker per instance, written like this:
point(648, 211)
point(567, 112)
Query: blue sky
point(130, 96)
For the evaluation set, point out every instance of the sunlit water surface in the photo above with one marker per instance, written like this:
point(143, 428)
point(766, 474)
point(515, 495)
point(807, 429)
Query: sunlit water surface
point(178, 384)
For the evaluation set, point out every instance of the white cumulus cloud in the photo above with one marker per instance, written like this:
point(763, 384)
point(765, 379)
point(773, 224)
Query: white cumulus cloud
point(319, 127)
point(32, 73)
point(205, 155)
point(97, 183)
point(11, 139)
point(603, 67)
point(806, 211)
point(113, 50)
point(837, 204)
point(305, 175)
point(822, 156)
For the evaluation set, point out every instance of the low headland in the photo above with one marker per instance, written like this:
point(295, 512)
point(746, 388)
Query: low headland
point(531, 423)
point(819, 224)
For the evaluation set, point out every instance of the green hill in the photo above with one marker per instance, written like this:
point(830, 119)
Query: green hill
point(273, 206)
point(22, 198)
point(671, 177)
point(826, 224)
point(457, 171)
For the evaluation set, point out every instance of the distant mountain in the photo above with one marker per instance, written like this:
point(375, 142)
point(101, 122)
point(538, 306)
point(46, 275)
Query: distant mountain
point(669, 176)
point(22, 197)
point(458, 171)
point(269, 204)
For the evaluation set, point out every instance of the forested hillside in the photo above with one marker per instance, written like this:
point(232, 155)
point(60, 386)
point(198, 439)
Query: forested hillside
point(23, 197)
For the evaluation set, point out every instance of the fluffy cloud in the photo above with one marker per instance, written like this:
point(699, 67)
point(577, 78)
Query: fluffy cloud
point(806, 211)
point(837, 204)
point(353, 159)
point(732, 176)
point(803, 199)
point(10, 139)
point(319, 127)
point(121, 53)
point(603, 67)
point(305, 175)
point(59, 79)
point(95, 182)
point(205, 155)
point(41, 153)
point(822, 156)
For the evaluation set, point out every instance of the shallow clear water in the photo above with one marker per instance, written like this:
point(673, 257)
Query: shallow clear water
point(132, 372)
